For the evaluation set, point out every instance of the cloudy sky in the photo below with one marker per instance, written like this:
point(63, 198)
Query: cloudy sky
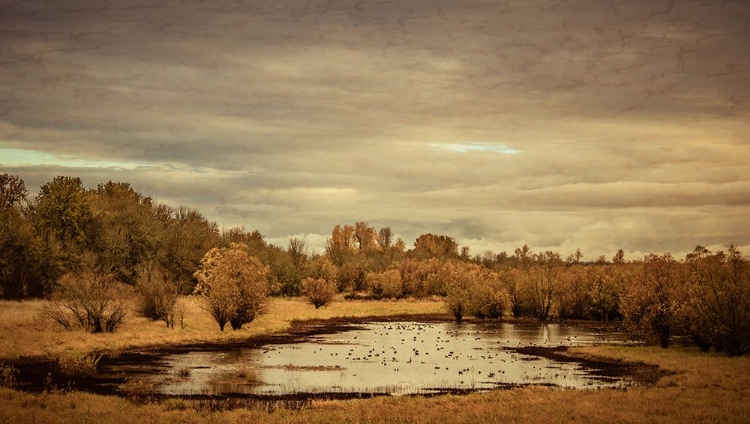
point(592, 124)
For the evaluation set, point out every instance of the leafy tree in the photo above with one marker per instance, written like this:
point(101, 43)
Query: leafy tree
point(650, 304)
point(320, 267)
point(289, 268)
point(515, 282)
point(573, 295)
point(461, 281)
point(128, 232)
point(95, 302)
point(340, 245)
point(319, 291)
point(606, 285)
point(256, 243)
point(63, 214)
point(63, 210)
point(718, 300)
point(27, 262)
point(435, 246)
point(365, 237)
point(352, 274)
point(189, 235)
point(619, 257)
point(386, 284)
point(12, 191)
point(233, 284)
point(413, 276)
point(489, 298)
point(385, 238)
point(544, 284)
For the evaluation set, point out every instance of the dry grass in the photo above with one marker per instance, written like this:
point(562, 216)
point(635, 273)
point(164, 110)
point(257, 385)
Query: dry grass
point(25, 331)
point(701, 388)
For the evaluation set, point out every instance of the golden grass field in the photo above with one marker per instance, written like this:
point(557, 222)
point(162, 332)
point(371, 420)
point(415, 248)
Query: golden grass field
point(699, 387)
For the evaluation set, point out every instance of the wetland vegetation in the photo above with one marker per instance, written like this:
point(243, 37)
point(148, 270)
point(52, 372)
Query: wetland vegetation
point(103, 278)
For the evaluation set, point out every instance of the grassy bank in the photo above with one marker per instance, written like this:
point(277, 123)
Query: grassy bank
point(25, 331)
point(698, 388)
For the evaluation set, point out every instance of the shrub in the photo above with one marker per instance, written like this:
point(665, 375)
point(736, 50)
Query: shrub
point(489, 300)
point(233, 284)
point(156, 295)
point(384, 284)
point(92, 301)
point(319, 291)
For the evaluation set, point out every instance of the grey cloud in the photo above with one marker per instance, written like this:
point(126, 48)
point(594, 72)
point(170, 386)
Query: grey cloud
point(294, 116)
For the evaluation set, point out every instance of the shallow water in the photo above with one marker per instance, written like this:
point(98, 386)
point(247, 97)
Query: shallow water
point(393, 358)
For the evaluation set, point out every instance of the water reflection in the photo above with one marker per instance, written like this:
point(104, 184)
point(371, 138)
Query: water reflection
point(394, 358)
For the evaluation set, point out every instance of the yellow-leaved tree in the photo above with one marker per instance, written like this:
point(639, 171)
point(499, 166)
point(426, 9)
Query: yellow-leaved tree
point(233, 284)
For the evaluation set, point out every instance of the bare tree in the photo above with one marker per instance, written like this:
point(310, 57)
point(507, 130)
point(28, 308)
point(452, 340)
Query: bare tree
point(91, 301)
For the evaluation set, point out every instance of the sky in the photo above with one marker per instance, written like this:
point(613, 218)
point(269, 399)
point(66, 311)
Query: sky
point(591, 124)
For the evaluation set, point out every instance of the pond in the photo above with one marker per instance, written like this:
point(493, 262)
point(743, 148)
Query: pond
point(394, 358)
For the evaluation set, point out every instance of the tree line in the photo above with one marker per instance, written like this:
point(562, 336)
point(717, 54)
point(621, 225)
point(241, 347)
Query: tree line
point(118, 243)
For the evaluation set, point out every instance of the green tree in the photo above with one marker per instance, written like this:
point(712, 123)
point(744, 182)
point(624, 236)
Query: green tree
point(189, 235)
point(128, 232)
point(289, 268)
point(63, 210)
point(27, 263)
point(63, 214)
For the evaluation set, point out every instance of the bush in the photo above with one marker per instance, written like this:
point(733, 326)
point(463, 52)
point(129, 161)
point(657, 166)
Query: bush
point(319, 291)
point(94, 302)
point(384, 284)
point(489, 300)
point(234, 285)
point(156, 295)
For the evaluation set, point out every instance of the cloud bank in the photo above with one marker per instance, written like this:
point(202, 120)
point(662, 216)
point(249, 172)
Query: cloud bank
point(596, 125)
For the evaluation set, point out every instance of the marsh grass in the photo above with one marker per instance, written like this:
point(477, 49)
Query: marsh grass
point(243, 377)
point(78, 364)
point(8, 376)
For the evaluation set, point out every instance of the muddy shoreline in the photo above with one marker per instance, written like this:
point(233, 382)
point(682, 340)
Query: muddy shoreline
point(44, 374)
